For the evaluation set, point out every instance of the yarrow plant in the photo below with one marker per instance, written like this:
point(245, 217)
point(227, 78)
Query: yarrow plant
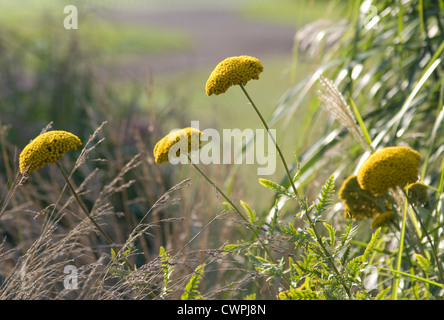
point(382, 219)
point(297, 247)
point(233, 71)
point(48, 148)
point(359, 203)
point(382, 181)
point(388, 168)
point(417, 193)
point(171, 145)
point(218, 76)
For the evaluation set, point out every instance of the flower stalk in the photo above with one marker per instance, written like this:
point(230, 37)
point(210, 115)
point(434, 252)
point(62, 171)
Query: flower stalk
point(231, 203)
point(87, 213)
point(429, 239)
point(310, 220)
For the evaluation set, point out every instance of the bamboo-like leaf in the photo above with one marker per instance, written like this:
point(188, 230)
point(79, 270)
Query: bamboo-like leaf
point(361, 123)
point(393, 122)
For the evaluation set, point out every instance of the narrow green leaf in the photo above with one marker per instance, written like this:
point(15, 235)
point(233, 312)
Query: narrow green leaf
point(361, 123)
point(440, 285)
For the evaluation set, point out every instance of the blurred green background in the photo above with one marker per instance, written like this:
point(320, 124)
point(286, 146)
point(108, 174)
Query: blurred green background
point(145, 63)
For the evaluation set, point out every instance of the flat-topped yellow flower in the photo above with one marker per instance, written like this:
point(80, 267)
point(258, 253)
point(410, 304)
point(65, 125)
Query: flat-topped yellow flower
point(47, 148)
point(417, 193)
point(162, 148)
point(359, 204)
point(388, 168)
point(233, 71)
point(382, 219)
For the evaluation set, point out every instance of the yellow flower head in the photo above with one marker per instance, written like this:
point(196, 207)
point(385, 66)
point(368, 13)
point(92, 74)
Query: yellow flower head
point(47, 148)
point(232, 71)
point(382, 219)
point(162, 148)
point(359, 204)
point(388, 168)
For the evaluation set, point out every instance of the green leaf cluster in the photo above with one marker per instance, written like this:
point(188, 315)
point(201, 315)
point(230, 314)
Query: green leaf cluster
point(192, 288)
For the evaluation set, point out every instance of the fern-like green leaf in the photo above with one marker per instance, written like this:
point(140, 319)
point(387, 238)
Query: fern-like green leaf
point(298, 237)
point(273, 186)
point(354, 266)
point(297, 294)
point(371, 246)
point(332, 233)
point(381, 295)
point(423, 262)
point(167, 270)
point(250, 212)
point(191, 289)
point(345, 255)
point(348, 235)
point(324, 199)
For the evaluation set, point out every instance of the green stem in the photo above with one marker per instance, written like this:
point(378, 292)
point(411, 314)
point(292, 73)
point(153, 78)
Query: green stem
point(318, 237)
point(400, 251)
point(83, 207)
point(273, 139)
point(440, 285)
point(429, 239)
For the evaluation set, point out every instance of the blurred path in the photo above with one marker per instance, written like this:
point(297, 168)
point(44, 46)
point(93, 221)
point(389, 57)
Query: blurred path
point(216, 33)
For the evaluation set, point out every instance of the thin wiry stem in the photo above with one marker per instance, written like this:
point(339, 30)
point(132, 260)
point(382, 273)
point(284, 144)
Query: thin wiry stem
point(400, 251)
point(429, 239)
point(85, 210)
point(238, 212)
